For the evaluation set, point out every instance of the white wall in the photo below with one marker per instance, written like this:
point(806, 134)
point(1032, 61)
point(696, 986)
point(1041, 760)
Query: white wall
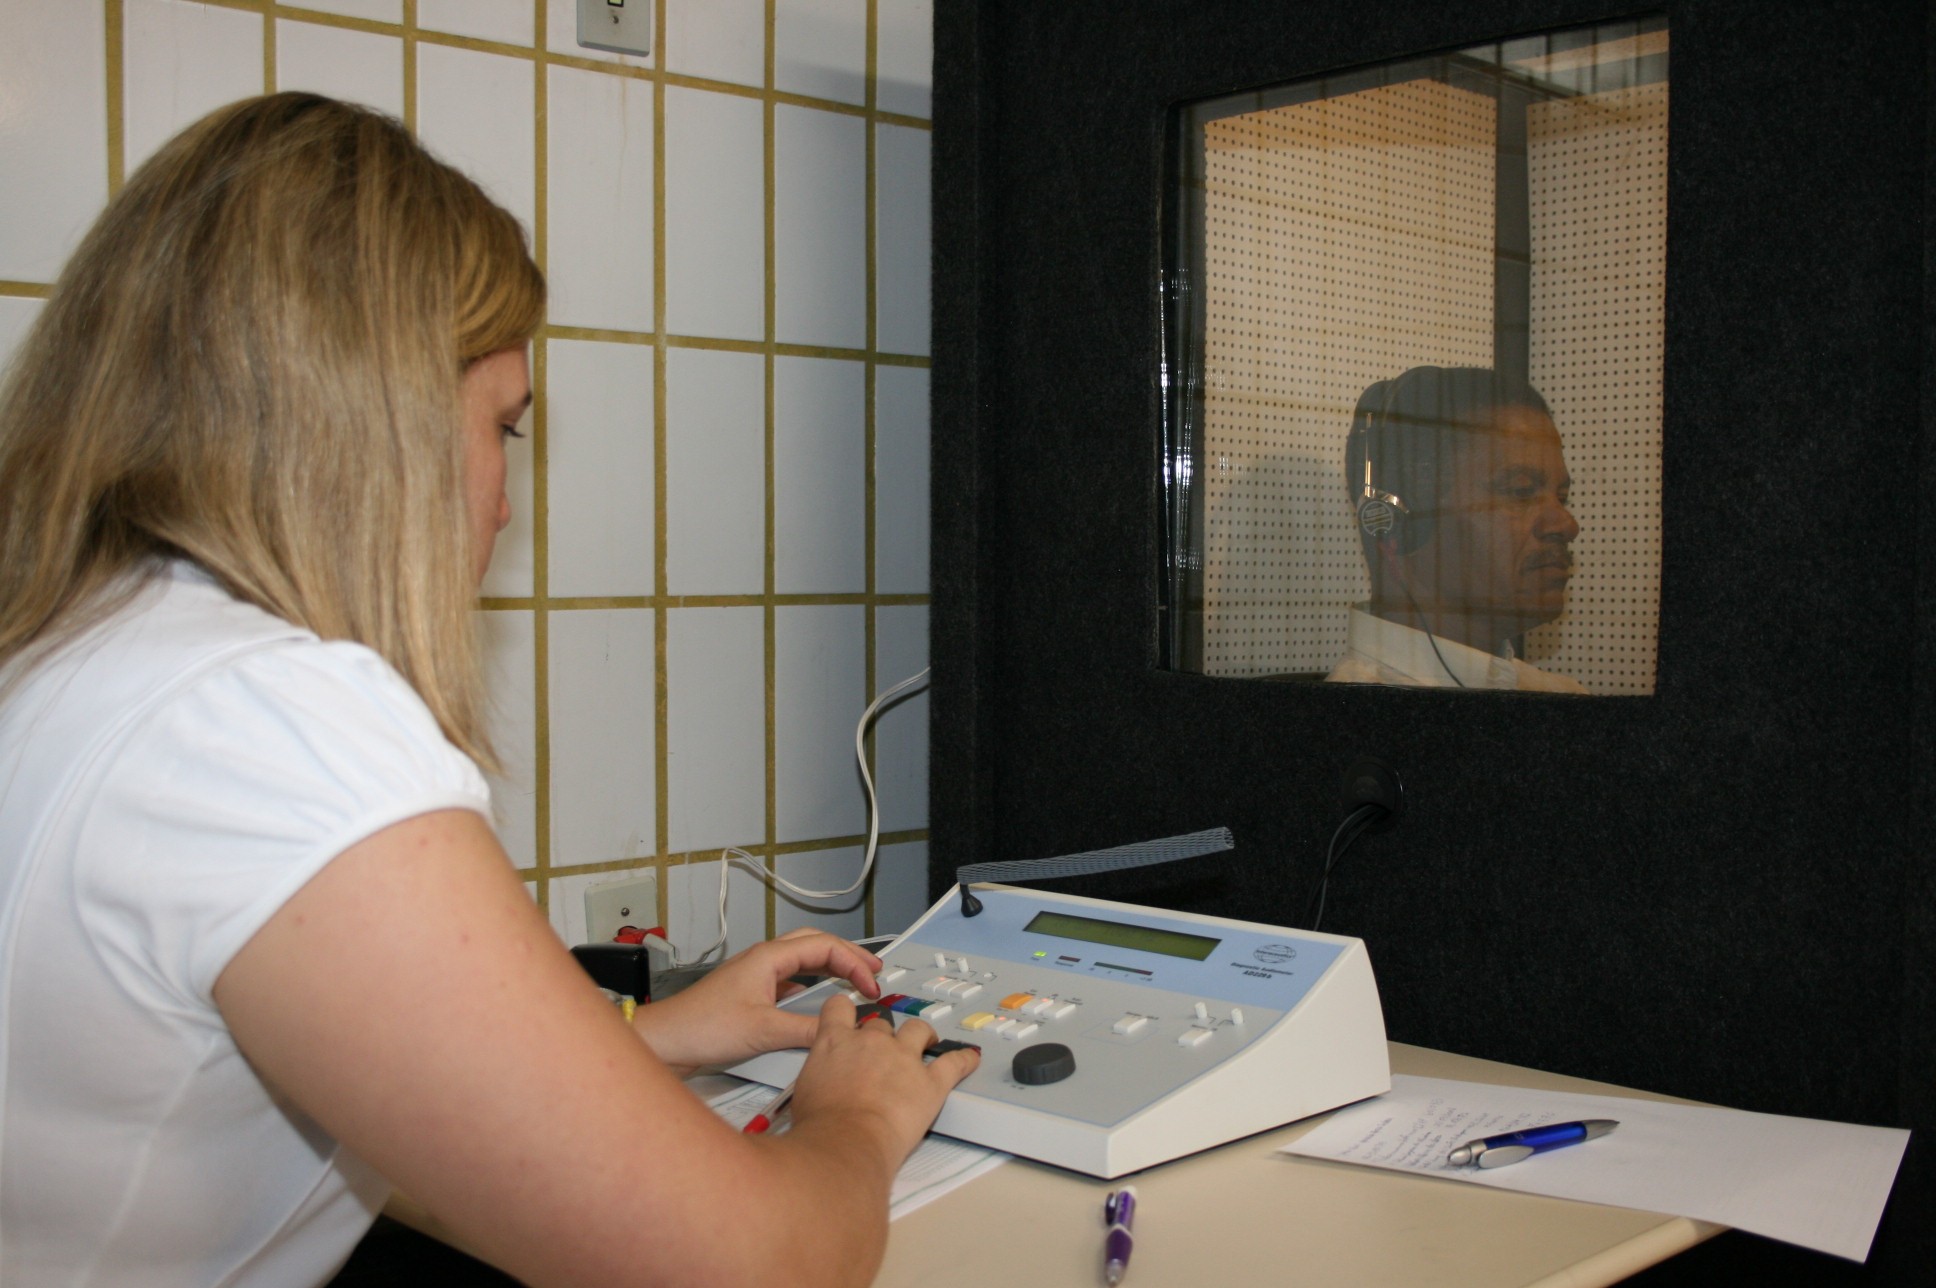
point(719, 550)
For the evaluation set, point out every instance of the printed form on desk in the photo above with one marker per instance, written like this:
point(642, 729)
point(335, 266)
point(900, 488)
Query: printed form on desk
point(1818, 1184)
point(937, 1165)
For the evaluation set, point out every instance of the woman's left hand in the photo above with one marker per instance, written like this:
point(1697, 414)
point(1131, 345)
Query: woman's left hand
point(732, 1015)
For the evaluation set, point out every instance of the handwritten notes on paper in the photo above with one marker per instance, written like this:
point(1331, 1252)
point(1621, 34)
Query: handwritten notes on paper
point(1818, 1184)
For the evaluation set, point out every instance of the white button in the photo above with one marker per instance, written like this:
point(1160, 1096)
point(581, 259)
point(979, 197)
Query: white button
point(1062, 1010)
point(938, 985)
point(1193, 1037)
point(1129, 1024)
point(961, 964)
point(1236, 1017)
point(1022, 1029)
point(889, 975)
point(1039, 1006)
point(1005, 1027)
point(1203, 1012)
point(941, 960)
point(935, 1011)
point(854, 995)
point(965, 991)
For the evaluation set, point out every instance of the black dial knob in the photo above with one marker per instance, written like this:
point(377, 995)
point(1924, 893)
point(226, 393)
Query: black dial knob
point(1043, 1063)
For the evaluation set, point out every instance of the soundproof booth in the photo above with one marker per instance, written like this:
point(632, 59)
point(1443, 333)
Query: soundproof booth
point(1476, 453)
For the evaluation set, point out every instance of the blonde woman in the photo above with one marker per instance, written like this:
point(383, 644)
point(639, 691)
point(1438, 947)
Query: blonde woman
point(261, 955)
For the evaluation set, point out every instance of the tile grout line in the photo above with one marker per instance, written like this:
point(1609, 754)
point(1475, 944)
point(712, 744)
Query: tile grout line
point(410, 66)
point(769, 616)
point(661, 620)
point(116, 85)
point(540, 471)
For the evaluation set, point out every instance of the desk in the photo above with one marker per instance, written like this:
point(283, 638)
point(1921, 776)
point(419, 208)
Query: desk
point(1243, 1214)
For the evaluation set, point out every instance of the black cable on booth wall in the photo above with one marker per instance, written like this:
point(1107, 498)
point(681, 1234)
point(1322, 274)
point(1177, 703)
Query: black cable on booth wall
point(1355, 824)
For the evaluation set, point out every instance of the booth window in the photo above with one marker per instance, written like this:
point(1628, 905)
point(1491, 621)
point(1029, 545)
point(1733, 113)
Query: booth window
point(1440, 264)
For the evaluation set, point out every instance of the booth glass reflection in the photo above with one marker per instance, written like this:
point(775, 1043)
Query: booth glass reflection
point(1413, 332)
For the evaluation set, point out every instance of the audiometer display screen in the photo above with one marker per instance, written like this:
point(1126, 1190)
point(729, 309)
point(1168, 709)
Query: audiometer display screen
point(1116, 934)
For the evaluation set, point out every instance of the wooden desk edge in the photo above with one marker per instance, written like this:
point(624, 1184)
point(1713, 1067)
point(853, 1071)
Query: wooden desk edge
point(1635, 1255)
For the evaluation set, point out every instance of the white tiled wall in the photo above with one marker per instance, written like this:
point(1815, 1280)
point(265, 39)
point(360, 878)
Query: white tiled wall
point(901, 235)
point(180, 59)
point(819, 476)
point(510, 638)
point(819, 674)
point(599, 225)
point(901, 479)
point(505, 21)
point(720, 507)
point(715, 214)
point(16, 315)
point(357, 65)
point(478, 111)
point(598, 456)
point(820, 48)
point(904, 62)
point(819, 228)
point(722, 40)
point(829, 870)
point(716, 726)
point(715, 481)
point(54, 76)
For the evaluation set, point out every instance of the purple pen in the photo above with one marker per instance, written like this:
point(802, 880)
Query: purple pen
point(1119, 1210)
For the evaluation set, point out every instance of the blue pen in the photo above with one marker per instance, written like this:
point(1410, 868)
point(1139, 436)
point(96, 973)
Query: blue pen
point(1497, 1151)
point(1119, 1209)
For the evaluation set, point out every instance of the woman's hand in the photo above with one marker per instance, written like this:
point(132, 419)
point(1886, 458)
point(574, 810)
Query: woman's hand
point(732, 1014)
point(872, 1082)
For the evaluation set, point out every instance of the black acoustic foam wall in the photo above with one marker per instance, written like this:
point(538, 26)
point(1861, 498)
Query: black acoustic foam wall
point(1720, 891)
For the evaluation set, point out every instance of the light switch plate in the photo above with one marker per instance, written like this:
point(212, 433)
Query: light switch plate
point(616, 26)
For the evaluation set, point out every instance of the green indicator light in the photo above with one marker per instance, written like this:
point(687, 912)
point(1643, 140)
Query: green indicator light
point(1041, 954)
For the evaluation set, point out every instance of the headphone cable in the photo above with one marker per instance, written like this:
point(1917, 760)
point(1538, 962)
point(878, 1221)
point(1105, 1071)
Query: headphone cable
point(1354, 825)
point(1429, 637)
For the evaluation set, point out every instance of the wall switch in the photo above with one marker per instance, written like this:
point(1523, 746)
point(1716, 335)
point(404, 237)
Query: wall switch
point(631, 901)
point(617, 26)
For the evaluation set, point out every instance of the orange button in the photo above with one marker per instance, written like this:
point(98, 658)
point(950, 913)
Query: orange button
point(1016, 1001)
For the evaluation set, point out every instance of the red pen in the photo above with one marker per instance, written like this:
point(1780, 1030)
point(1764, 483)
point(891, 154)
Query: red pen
point(771, 1114)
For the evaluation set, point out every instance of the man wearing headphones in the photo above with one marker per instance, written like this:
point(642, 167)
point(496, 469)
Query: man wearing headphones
point(1459, 486)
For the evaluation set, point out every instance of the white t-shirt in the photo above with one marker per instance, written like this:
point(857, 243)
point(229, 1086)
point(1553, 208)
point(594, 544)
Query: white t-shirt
point(167, 782)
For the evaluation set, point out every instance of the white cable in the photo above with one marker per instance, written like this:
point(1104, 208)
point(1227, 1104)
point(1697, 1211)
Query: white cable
point(729, 855)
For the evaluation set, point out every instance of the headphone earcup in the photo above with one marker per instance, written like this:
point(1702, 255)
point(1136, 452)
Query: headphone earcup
point(1381, 520)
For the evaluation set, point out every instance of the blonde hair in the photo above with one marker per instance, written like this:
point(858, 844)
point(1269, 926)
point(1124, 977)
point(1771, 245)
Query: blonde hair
point(254, 360)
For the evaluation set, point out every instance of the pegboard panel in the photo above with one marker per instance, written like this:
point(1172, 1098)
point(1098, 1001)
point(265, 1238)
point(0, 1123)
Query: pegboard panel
point(1345, 240)
point(1597, 169)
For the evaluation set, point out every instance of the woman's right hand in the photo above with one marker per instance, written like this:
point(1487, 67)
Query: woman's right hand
point(872, 1076)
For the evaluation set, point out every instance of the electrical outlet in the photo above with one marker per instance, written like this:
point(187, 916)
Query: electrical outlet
point(619, 26)
point(633, 901)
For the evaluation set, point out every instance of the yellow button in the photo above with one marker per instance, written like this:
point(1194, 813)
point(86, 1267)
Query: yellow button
point(978, 1020)
point(1016, 1001)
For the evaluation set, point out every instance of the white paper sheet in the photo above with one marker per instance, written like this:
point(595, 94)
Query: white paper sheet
point(939, 1164)
point(1801, 1180)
